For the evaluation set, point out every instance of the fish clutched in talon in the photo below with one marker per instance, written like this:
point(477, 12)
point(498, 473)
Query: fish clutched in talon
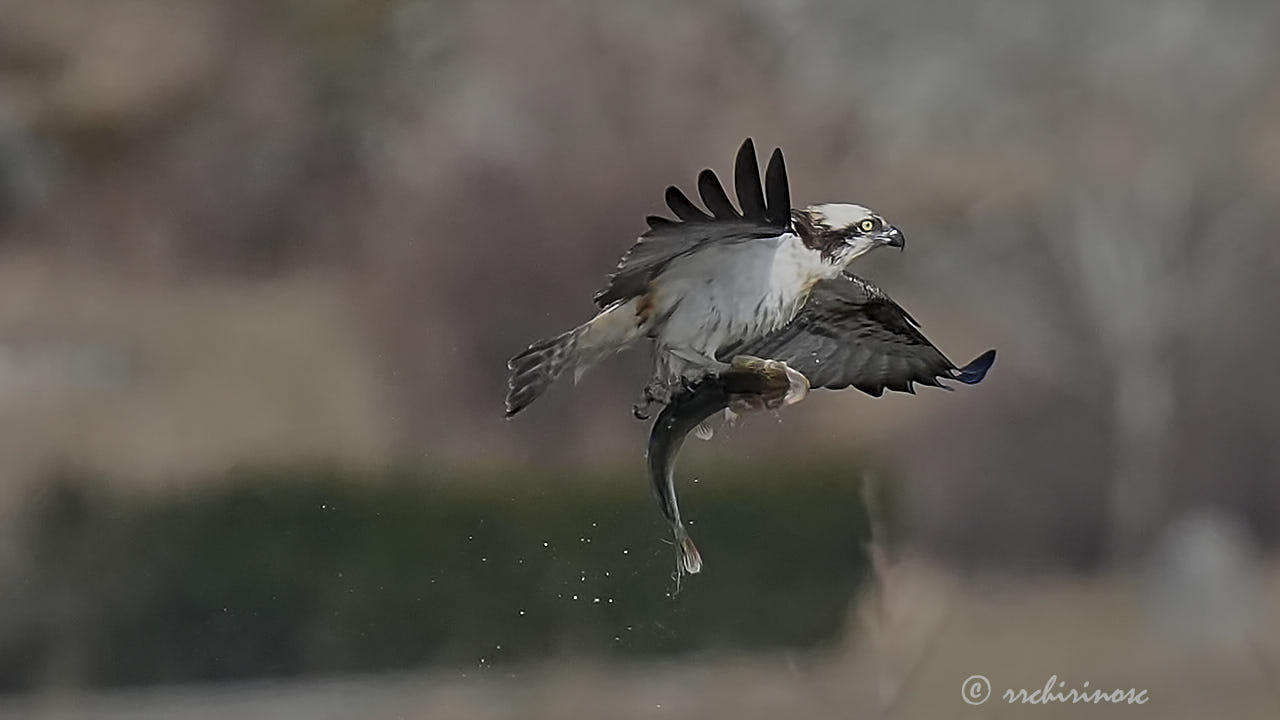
point(748, 385)
point(746, 308)
point(696, 284)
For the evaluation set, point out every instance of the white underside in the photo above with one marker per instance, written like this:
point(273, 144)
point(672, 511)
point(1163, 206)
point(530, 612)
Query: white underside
point(724, 294)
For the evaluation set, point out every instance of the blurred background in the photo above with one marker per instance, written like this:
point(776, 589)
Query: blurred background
point(262, 263)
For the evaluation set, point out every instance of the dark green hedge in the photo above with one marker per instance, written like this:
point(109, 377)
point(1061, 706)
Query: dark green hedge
point(273, 571)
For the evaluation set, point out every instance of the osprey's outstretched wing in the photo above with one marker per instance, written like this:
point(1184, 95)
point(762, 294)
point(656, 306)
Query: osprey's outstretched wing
point(850, 334)
point(765, 212)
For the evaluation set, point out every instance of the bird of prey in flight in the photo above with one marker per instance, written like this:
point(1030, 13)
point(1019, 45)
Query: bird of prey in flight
point(747, 308)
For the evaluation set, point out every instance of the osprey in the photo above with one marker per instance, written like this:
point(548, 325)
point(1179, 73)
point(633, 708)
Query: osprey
point(763, 281)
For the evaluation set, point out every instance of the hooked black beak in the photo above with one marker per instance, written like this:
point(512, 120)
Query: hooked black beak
point(893, 238)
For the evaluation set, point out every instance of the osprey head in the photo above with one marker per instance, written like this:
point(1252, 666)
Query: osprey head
point(844, 231)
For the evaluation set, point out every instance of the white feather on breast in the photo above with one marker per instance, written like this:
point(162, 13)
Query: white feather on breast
point(727, 293)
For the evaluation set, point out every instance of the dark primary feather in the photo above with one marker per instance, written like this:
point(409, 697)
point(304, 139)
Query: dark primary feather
point(669, 239)
point(777, 193)
point(850, 334)
point(746, 182)
point(657, 221)
point(714, 196)
point(683, 207)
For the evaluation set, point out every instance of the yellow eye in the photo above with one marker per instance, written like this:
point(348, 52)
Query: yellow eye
point(867, 225)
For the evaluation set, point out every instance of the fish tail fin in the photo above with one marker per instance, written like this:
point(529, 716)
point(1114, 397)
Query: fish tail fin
point(533, 370)
point(688, 560)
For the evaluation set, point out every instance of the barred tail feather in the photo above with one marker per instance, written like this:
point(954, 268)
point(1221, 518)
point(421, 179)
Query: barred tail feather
point(533, 370)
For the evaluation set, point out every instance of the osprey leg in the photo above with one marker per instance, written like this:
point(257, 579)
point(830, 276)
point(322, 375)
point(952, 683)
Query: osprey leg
point(678, 370)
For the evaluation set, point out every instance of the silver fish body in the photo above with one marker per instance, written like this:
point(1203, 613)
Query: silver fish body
point(749, 384)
